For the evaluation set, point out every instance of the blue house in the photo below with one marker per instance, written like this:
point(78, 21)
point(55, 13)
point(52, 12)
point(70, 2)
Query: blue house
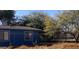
point(17, 35)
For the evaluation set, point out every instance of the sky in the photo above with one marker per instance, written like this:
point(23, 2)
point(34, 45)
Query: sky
point(26, 12)
point(51, 13)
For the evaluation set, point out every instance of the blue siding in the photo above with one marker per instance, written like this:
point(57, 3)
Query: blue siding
point(4, 43)
point(16, 37)
point(36, 37)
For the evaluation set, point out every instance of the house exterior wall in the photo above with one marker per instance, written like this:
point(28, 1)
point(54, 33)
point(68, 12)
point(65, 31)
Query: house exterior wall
point(36, 37)
point(16, 37)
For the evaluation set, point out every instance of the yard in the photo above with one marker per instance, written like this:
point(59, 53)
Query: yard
point(63, 45)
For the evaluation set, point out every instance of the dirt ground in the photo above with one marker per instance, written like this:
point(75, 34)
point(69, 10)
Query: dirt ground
point(64, 45)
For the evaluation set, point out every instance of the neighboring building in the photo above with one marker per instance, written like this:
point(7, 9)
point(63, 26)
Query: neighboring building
point(17, 35)
point(63, 36)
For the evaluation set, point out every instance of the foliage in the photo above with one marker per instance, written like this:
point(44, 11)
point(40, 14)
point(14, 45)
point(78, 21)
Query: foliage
point(34, 20)
point(49, 27)
point(6, 16)
point(69, 21)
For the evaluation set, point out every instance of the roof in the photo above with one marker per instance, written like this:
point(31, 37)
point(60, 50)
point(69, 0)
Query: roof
point(19, 27)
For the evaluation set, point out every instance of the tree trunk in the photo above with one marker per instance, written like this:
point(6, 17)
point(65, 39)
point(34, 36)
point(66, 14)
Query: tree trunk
point(77, 37)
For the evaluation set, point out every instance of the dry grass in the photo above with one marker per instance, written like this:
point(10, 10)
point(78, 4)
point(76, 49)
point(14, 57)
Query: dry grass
point(53, 46)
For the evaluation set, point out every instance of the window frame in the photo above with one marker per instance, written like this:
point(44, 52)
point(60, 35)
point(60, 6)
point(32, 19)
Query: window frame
point(3, 31)
point(25, 37)
point(7, 35)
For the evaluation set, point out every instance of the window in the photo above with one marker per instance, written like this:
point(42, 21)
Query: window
point(4, 35)
point(27, 35)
